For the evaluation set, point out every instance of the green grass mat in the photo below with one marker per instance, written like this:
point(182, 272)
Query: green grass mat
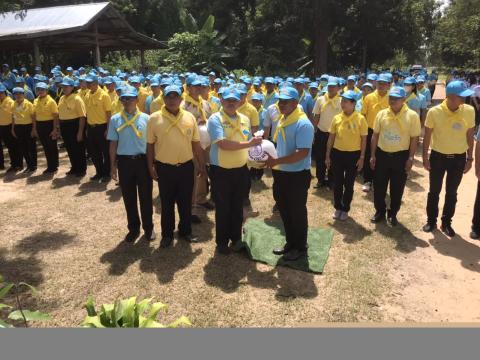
point(261, 238)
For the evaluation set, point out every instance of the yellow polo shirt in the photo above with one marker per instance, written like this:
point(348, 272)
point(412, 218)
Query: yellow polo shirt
point(355, 89)
point(45, 108)
point(348, 131)
point(327, 109)
point(220, 128)
point(97, 105)
point(173, 143)
point(142, 98)
point(396, 130)
point(372, 104)
point(250, 112)
point(156, 104)
point(113, 95)
point(83, 93)
point(71, 107)
point(6, 109)
point(449, 128)
point(117, 106)
point(22, 113)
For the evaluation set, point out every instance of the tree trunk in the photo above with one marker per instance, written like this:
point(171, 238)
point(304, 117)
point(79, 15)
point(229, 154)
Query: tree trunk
point(364, 57)
point(321, 28)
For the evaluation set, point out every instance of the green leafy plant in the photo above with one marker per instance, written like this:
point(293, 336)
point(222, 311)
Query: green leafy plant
point(19, 314)
point(128, 313)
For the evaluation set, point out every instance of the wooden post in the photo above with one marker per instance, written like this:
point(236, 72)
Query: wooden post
point(36, 53)
point(142, 59)
point(97, 46)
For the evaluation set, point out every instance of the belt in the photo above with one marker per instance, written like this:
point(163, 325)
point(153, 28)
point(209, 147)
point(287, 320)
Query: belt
point(173, 165)
point(392, 154)
point(448, 156)
point(131, 157)
point(95, 125)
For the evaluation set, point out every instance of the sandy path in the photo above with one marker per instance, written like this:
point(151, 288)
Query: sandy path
point(440, 282)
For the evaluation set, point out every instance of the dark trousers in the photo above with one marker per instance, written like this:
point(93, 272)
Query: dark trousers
point(476, 211)
point(290, 191)
point(75, 149)
point(11, 144)
point(320, 150)
point(256, 174)
point(44, 129)
point(453, 166)
point(27, 145)
point(389, 169)
point(229, 191)
point(367, 170)
point(134, 179)
point(176, 187)
point(98, 149)
point(344, 167)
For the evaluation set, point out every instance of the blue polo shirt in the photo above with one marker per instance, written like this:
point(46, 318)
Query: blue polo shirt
point(307, 103)
point(261, 118)
point(148, 102)
point(128, 142)
point(298, 136)
point(270, 99)
point(8, 80)
point(417, 103)
point(426, 92)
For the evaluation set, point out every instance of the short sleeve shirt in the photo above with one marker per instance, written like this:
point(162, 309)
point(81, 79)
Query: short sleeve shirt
point(129, 143)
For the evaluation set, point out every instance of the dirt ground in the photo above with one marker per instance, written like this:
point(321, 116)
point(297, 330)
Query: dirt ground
point(64, 236)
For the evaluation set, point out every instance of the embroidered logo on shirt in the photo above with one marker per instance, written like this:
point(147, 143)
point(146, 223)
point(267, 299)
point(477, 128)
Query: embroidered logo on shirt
point(457, 126)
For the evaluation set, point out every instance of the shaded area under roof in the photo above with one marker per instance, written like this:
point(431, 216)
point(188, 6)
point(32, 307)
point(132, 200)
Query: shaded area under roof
point(72, 27)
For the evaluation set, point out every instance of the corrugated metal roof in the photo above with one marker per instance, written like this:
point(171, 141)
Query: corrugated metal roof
point(51, 19)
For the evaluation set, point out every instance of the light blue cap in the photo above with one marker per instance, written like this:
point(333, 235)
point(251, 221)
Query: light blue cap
point(313, 85)
point(384, 78)
point(367, 84)
point(67, 81)
point(91, 78)
point(258, 96)
point(18, 90)
point(129, 91)
point(41, 85)
point(2, 88)
point(459, 88)
point(332, 81)
point(352, 78)
point(19, 80)
point(410, 81)
point(420, 79)
point(350, 95)
point(242, 89)
point(134, 80)
point(231, 93)
point(172, 89)
point(397, 92)
point(372, 77)
point(288, 93)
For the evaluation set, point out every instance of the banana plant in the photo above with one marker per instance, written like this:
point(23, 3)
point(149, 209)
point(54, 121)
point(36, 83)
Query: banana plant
point(128, 313)
point(19, 314)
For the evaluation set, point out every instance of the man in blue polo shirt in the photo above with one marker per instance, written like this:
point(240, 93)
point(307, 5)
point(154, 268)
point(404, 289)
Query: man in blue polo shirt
point(127, 132)
point(305, 99)
point(294, 137)
point(7, 77)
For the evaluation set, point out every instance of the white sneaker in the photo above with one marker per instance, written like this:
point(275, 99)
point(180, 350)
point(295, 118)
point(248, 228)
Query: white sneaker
point(343, 216)
point(336, 215)
point(367, 187)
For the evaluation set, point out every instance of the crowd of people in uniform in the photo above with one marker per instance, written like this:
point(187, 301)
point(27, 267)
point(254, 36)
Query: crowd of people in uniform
point(191, 134)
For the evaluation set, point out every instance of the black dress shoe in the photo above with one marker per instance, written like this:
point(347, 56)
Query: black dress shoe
point(70, 172)
point(281, 251)
point(237, 246)
point(11, 169)
point(80, 174)
point(223, 250)
point(378, 217)
point(49, 171)
point(448, 230)
point(166, 242)
point(132, 236)
point(475, 235)
point(96, 177)
point(105, 179)
point(189, 238)
point(294, 254)
point(428, 227)
point(392, 220)
point(195, 219)
point(150, 235)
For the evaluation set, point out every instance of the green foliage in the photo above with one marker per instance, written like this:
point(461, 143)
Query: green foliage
point(457, 39)
point(20, 314)
point(202, 50)
point(128, 314)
